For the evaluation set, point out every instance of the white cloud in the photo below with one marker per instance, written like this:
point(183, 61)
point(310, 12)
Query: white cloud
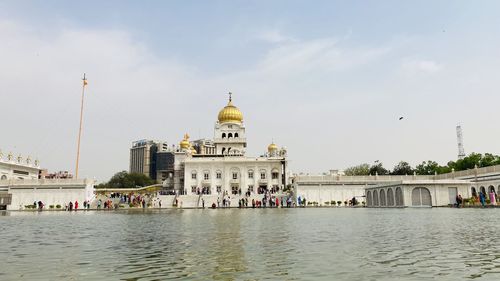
point(421, 66)
point(328, 101)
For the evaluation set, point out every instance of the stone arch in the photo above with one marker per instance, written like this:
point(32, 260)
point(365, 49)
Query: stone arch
point(491, 188)
point(223, 135)
point(482, 189)
point(375, 198)
point(382, 198)
point(229, 135)
point(473, 191)
point(421, 196)
point(235, 135)
point(4, 177)
point(368, 198)
point(399, 197)
point(390, 197)
point(223, 150)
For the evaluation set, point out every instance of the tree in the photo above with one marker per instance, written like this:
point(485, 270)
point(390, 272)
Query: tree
point(427, 168)
point(402, 168)
point(359, 170)
point(378, 169)
point(125, 180)
point(430, 168)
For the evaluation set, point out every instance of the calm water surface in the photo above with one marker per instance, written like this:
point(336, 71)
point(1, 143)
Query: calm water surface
point(261, 244)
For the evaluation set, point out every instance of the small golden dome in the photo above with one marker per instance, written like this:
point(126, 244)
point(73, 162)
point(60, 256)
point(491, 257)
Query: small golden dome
point(230, 113)
point(272, 148)
point(185, 142)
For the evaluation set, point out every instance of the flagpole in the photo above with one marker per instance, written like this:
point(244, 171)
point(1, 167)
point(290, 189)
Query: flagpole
point(80, 130)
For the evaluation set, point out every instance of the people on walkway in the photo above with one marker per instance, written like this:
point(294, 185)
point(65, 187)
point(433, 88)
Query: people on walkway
point(482, 198)
point(493, 199)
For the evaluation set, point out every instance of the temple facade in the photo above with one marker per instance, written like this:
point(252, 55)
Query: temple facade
point(221, 166)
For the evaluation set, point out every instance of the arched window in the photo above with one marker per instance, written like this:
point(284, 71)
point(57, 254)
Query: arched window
point(223, 135)
point(4, 177)
point(193, 175)
point(421, 196)
point(230, 135)
point(223, 150)
point(483, 190)
point(382, 198)
point(375, 198)
point(369, 199)
point(399, 197)
point(473, 191)
point(390, 197)
point(235, 135)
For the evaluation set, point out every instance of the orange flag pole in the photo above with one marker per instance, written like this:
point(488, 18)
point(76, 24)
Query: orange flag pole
point(80, 130)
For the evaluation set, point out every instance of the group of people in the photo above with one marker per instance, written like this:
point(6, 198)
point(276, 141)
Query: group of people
point(74, 206)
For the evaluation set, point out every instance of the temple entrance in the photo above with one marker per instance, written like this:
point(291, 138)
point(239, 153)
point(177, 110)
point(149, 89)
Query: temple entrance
point(262, 189)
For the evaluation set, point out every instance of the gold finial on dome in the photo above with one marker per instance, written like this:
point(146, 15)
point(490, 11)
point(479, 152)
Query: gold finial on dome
point(272, 148)
point(230, 113)
point(185, 142)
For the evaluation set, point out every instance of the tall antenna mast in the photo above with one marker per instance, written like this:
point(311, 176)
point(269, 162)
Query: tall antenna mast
point(460, 141)
point(80, 130)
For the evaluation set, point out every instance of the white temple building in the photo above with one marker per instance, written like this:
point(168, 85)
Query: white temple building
point(220, 167)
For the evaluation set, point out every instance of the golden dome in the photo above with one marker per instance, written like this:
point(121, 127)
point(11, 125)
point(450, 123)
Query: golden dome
point(230, 113)
point(185, 142)
point(272, 147)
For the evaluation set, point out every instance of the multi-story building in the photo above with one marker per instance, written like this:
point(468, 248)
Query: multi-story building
point(221, 165)
point(143, 157)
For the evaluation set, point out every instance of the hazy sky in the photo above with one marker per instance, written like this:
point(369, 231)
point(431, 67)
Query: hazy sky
point(326, 79)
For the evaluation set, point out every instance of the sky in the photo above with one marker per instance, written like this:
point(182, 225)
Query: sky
point(328, 80)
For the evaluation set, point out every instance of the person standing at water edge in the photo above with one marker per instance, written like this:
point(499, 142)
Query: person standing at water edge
point(482, 198)
point(492, 198)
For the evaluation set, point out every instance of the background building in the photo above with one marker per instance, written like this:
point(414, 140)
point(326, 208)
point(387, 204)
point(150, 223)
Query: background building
point(143, 157)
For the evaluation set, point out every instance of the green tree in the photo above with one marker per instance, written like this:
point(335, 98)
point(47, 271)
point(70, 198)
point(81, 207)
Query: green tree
point(359, 170)
point(378, 168)
point(427, 168)
point(402, 168)
point(125, 180)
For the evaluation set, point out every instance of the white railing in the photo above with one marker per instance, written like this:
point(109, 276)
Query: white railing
point(339, 178)
point(21, 182)
point(385, 178)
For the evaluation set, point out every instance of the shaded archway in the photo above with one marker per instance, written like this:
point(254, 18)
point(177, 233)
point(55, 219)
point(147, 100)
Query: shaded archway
point(223, 135)
point(399, 197)
point(368, 198)
point(473, 191)
point(482, 189)
point(421, 196)
point(390, 197)
point(382, 198)
point(491, 188)
point(375, 198)
point(230, 135)
point(235, 135)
